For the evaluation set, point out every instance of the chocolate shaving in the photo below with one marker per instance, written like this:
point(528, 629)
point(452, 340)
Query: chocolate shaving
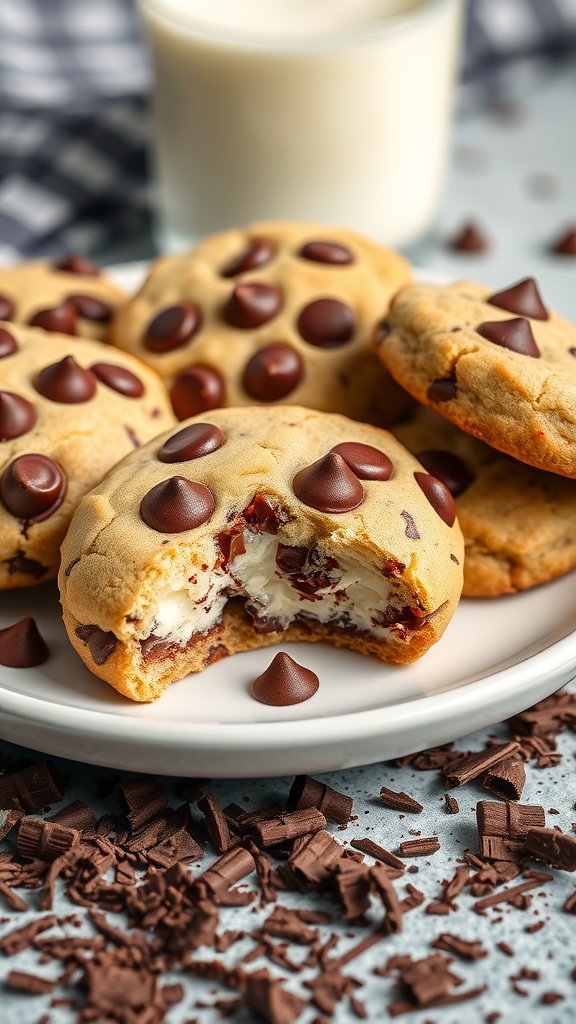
point(451, 802)
point(307, 792)
point(141, 800)
point(386, 892)
point(506, 779)
point(31, 789)
point(45, 839)
point(289, 826)
point(215, 822)
point(558, 849)
point(379, 853)
point(510, 894)
point(475, 764)
point(419, 847)
point(400, 801)
point(31, 984)
point(460, 947)
point(77, 816)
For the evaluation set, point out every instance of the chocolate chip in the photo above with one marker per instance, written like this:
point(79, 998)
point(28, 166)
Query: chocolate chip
point(118, 378)
point(447, 467)
point(25, 566)
point(438, 495)
point(100, 643)
point(196, 390)
point(192, 442)
point(6, 307)
point(442, 390)
point(252, 304)
point(329, 485)
point(66, 382)
point(75, 264)
point(61, 319)
point(291, 559)
point(264, 514)
point(327, 323)
point(565, 245)
point(515, 335)
point(17, 415)
point(176, 505)
point(326, 252)
point(273, 372)
point(7, 343)
point(91, 308)
point(32, 487)
point(172, 327)
point(256, 255)
point(284, 682)
point(470, 238)
point(522, 298)
point(22, 646)
point(366, 462)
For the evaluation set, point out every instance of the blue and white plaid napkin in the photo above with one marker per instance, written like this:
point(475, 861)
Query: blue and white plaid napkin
point(73, 112)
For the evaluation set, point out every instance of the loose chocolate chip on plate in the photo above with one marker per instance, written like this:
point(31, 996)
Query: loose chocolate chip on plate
point(439, 497)
point(447, 467)
point(61, 319)
point(6, 307)
point(366, 462)
point(252, 304)
point(522, 298)
point(32, 487)
point(327, 323)
point(75, 264)
point(192, 442)
point(176, 505)
point(284, 682)
point(258, 253)
point(66, 382)
point(515, 335)
point(565, 245)
point(91, 308)
point(442, 390)
point(326, 252)
point(172, 327)
point(470, 239)
point(197, 389)
point(329, 485)
point(7, 343)
point(22, 646)
point(273, 372)
point(119, 379)
point(17, 415)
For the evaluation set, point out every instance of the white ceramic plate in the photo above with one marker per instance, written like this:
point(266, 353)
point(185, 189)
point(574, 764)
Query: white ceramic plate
point(496, 658)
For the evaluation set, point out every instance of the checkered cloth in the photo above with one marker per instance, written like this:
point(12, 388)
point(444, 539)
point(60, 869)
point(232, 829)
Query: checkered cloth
point(73, 113)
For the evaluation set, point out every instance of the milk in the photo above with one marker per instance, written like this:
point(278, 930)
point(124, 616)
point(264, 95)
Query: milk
point(321, 110)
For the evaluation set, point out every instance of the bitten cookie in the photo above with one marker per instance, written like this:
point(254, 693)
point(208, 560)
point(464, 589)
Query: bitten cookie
point(280, 311)
point(519, 523)
point(244, 529)
point(71, 297)
point(69, 409)
point(499, 365)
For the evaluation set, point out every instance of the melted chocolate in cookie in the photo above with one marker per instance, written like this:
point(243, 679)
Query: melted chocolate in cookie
point(447, 467)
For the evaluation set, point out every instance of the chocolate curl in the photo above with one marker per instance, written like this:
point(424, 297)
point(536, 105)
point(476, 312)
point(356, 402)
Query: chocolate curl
point(289, 826)
point(315, 858)
point(503, 828)
point(400, 801)
point(31, 984)
point(76, 815)
point(352, 883)
point(472, 766)
point(558, 849)
point(22, 938)
point(229, 869)
point(45, 840)
point(384, 889)
point(215, 822)
point(506, 780)
point(141, 800)
point(307, 792)
point(419, 847)
point(379, 853)
point(31, 789)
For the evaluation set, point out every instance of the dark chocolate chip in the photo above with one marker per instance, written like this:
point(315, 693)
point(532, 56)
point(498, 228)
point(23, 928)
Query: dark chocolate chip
point(264, 514)
point(329, 485)
point(172, 327)
point(327, 323)
point(258, 254)
point(7, 343)
point(252, 304)
point(284, 682)
point(366, 462)
point(6, 307)
point(447, 467)
point(438, 495)
point(75, 264)
point(522, 298)
point(326, 252)
point(25, 566)
point(32, 487)
point(61, 319)
point(565, 245)
point(442, 390)
point(515, 335)
point(192, 442)
point(99, 643)
point(17, 415)
point(273, 372)
point(22, 646)
point(291, 559)
point(197, 389)
point(176, 505)
point(118, 378)
point(66, 382)
point(91, 308)
point(470, 238)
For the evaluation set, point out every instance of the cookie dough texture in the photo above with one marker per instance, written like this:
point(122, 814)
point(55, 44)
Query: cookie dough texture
point(39, 287)
point(346, 377)
point(519, 523)
point(523, 406)
point(84, 438)
point(143, 607)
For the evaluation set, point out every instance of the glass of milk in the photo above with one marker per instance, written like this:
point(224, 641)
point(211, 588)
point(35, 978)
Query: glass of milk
point(322, 110)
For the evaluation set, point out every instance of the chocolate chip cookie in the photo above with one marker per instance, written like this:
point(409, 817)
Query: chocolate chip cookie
point(519, 523)
point(69, 410)
point(501, 366)
point(70, 297)
point(241, 529)
point(276, 312)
